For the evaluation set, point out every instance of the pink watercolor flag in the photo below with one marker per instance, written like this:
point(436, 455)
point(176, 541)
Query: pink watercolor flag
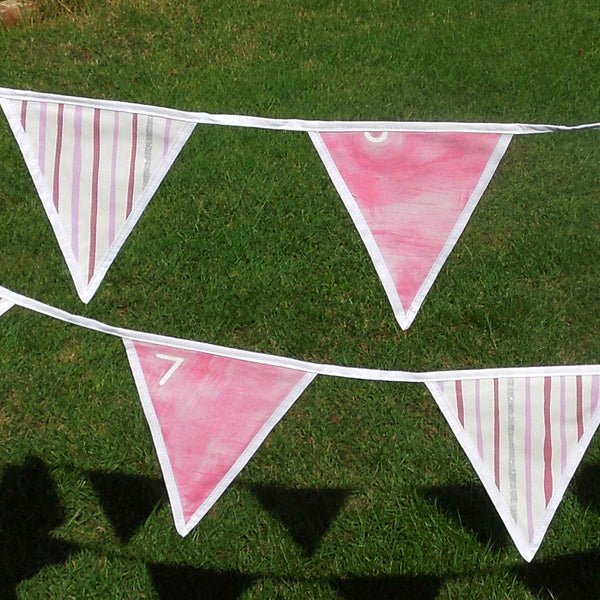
point(95, 170)
point(525, 437)
point(5, 305)
point(410, 195)
point(208, 415)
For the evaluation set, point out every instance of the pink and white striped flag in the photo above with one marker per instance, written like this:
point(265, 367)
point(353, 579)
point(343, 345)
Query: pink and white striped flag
point(96, 170)
point(410, 195)
point(525, 437)
point(208, 415)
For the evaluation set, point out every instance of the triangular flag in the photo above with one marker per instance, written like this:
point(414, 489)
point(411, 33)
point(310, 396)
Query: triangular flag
point(5, 305)
point(95, 170)
point(208, 415)
point(410, 195)
point(525, 437)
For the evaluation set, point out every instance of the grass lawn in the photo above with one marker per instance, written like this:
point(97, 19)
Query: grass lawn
point(361, 491)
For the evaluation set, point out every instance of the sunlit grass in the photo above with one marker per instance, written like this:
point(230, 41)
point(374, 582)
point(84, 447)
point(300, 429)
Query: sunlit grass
point(247, 244)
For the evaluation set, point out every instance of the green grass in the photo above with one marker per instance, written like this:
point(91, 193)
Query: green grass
point(247, 244)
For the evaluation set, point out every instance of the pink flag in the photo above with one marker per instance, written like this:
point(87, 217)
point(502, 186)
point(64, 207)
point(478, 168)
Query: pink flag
point(5, 305)
point(95, 170)
point(525, 437)
point(410, 196)
point(208, 415)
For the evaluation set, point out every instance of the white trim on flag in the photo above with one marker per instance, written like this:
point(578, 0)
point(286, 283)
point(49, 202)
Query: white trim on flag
point(5, 305)
point(182, 525)
point(405, 317)
point(364, 374)
point(459, 227)
point(85, 289)
point(363, 229)
point(294, 124)
point(526, 548)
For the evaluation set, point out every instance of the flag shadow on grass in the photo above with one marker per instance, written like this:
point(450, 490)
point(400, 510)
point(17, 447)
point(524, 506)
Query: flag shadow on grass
point(127, 500)
point(173, 582)
point(388, 587)
point(307, 513)
point(471, 508)
point(586, 486)
point(30, 509)
point(571, 577)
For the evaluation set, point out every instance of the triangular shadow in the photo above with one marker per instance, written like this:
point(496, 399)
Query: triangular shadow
point(471, 507)
point(127, 500)
point(173, 582)
point(389, 587)
point(586, 485)
point(571, 577)
point(307, 513)
point(30, 509)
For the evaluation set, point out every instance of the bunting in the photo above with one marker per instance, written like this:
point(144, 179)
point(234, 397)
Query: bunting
point(525, 436)
point(410, 196)
point(410, 189)
point(410, 186)
point(95, 170)
point(209, 408)
point(208, 415)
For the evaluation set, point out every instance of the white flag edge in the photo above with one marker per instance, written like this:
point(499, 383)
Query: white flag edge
point(365, 374)
point(293, 124)
point(184, 527)
point(5, 305)
point(406, 317)
point(86, 290)
point(459, 227)
point(526, 550)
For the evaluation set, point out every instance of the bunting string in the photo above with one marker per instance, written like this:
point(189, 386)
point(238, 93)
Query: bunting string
point(409, 187)
point(209, 408)
point(305, 125)
point(359, 373)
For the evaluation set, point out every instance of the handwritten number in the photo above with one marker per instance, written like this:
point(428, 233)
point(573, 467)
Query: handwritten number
point(176, 364)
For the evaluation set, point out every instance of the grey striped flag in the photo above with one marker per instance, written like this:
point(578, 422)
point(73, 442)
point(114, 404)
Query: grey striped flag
point(95, 170)
point(525, 436)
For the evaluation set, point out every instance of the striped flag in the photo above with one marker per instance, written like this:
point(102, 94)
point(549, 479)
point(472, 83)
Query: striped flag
point(208, 415)
point(95, 170)
point(410, 195)
point(525, 437)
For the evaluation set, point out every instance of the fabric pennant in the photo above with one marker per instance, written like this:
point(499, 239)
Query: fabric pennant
point(208, 415)
point(209, 407)
point(96, 170)
point(410, 195)
point(5, 305)
point(525, 437)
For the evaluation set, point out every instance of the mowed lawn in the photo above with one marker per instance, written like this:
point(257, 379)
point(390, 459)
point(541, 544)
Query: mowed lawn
point(362, 490)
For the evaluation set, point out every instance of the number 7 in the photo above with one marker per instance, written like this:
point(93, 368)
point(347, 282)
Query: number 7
point(176, 364)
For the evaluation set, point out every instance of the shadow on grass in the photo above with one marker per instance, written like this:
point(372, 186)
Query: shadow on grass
point(586, 485)
point(570, 577)
point(471, 507)
point(127, 500)
point(29, 510)
point(174, 582)
point(389, 587)
point(307, 513)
